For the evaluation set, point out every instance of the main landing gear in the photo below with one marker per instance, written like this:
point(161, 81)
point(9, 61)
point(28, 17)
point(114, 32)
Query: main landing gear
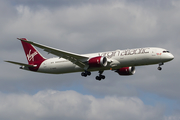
point(88, 73)
point(100, 76)
point(85, 73)
point(160, 64)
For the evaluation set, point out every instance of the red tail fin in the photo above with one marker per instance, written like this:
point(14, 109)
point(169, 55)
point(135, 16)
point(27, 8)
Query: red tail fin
point(33, 56)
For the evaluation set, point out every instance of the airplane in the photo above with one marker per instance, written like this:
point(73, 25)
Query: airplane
point(121, 61)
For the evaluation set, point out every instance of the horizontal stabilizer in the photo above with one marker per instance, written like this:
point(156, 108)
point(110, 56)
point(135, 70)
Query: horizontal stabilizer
point(22, 64)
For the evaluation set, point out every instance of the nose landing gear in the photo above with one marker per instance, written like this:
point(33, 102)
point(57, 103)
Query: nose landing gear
point(160, 64)
point(159, 68)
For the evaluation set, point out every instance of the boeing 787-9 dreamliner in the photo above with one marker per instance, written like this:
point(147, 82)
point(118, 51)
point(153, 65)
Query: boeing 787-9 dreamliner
point(121, 61)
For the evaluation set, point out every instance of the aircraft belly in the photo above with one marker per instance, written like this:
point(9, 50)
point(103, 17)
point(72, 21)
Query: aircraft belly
point(59, 68)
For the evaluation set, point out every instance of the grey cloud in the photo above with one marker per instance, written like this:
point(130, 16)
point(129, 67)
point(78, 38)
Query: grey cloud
point(56, 3)
point(66, 3)
point(100, 23)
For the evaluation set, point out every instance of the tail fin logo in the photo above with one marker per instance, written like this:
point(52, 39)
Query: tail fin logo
point(30, 56)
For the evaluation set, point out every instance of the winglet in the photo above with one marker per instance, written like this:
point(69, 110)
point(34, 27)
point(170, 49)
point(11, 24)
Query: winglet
point(23, 39)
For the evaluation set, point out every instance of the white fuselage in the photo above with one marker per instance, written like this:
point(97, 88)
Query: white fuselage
point(116, 59)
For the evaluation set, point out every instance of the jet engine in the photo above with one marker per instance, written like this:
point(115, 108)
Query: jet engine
point(97, 62)
point(126, 71)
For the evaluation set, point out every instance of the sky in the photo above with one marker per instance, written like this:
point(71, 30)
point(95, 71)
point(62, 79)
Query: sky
point(82, 27)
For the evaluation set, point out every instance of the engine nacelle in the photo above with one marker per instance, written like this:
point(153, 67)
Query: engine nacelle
point(126, 71)
point(97, 62)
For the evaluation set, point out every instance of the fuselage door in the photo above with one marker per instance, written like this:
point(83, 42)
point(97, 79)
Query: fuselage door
point(156, 55)
point(154, 52)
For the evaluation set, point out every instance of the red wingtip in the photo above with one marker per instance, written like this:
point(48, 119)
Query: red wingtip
point(22, 39)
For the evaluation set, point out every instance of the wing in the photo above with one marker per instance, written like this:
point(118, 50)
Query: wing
point(77, 59)
point(21, 64)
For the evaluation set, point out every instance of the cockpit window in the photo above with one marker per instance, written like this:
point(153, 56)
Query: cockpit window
point(165, 51)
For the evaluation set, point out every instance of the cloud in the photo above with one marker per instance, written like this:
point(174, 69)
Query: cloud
point(111, 21)
point(103, 24)
point(51, 104)
point(56, 3)
point(175, 117)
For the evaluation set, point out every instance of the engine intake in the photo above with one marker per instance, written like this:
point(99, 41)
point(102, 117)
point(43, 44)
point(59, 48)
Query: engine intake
point(126, 71)
point(98, 61)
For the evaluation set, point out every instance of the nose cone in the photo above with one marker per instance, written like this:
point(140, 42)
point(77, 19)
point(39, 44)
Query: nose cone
point(171, 57)
point(167, 57)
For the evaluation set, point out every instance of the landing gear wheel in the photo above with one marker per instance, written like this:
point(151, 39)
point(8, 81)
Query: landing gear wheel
point(98, 78)
point(102, 77)
point(83, 74)
point(88, 73)
point(159, 68)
